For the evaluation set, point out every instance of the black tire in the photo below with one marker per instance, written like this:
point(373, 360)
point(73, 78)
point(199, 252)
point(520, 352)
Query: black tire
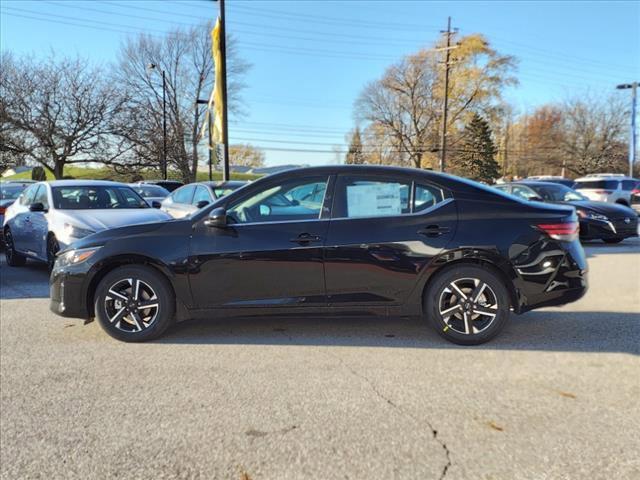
point(14, 259)
point(53, 247)
point(493, 303)
point(127, 328)
point(612, 240)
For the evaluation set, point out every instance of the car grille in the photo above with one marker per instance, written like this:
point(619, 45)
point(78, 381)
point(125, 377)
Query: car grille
point(623, 227)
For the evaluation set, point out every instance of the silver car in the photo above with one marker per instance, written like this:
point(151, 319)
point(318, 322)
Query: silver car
point(9, 192)
point(49, 216)
point(152, 194)
point(192, 197)
point(607, 187)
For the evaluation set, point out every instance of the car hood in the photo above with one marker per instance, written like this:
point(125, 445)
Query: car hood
point(604, 208)
point(98, 220)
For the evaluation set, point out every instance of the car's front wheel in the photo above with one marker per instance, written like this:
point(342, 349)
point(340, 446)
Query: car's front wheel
point(467, 304)
point(134, 303)
point(14, 259)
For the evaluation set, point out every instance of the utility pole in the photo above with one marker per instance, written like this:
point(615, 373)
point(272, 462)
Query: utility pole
point(223, 67)
point(632, 137)
point(210, 131)
point(443, 151)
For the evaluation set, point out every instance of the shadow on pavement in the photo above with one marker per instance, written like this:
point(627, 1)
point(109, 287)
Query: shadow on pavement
point(541, 330)
point(30, 281)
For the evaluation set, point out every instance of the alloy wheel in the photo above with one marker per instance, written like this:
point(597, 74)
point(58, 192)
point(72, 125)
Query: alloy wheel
point(131, 305)
point(8, 245)
point(468, 306)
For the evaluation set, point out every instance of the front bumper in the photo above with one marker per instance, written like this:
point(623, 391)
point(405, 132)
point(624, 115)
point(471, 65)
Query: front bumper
point(591, 229)
point(67, 292)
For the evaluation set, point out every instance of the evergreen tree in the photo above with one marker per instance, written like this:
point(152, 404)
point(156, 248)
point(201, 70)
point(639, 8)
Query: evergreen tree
point(355, 155)
point(475, 157)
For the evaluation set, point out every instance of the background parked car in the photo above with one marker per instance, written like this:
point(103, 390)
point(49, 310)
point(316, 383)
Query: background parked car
point(611, 223)
point(169, 185)
point(153, 194)
point(48, 217)
point(194, 196)
point(567, 182)
point(9, 192)
point(635, 198)
point(607, 187)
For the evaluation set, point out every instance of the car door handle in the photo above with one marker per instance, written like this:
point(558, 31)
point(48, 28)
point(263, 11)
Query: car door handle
point(305, 238)
point(433, 231)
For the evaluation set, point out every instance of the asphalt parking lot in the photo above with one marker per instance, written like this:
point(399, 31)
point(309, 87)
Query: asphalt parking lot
point(554, 397)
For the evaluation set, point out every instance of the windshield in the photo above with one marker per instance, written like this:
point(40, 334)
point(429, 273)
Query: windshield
point(557, 193)
point(11, 192)
point(90, 197)
point(147, 191)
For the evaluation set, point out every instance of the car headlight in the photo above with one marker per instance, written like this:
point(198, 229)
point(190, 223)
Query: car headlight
point(73, 257)
point(71, 231)
point(592, 215)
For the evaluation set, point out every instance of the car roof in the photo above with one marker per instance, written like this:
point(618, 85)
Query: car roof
point(604, 176)
point(84, 183)
point(537, 183)
point(222, 183)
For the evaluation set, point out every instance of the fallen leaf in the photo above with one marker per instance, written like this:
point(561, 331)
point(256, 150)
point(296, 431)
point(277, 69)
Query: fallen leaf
point(566, 394)
point(495, 427)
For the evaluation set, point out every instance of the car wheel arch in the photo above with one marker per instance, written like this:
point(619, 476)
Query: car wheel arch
point(622, 202)
point(475, 261)
point(111, 264)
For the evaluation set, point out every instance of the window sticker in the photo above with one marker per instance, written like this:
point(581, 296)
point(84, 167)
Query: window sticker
point(374, 200)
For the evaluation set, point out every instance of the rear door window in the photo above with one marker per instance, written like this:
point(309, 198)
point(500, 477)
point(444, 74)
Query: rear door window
point(371, 196)
point(597, 184)
point(183, 194)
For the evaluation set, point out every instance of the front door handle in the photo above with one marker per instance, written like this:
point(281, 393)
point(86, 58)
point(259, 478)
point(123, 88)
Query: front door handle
point(433, 231)
point(305, 238)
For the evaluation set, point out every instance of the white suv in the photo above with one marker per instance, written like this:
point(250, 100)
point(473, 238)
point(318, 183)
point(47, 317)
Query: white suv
point(607, 187)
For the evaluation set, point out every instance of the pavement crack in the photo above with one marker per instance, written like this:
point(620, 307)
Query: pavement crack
point(400, 410)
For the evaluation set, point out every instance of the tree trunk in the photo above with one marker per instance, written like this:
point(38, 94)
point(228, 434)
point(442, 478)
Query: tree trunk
point(58, 169)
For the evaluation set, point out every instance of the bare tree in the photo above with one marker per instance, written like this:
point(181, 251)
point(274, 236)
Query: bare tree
point(406, 103)
point(246, 155)
point(185, 57)
point(57, 112)
point(594, 134)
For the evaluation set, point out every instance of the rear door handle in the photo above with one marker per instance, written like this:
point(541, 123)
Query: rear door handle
point(305, 238)
point(433, 231)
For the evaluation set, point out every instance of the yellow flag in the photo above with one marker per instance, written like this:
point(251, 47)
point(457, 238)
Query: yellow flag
point(216, 97)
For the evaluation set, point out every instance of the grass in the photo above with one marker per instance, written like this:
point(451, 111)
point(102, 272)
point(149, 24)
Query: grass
point(105, 173)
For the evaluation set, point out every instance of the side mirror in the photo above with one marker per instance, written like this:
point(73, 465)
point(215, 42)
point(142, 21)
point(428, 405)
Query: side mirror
point(156, 204)
point(217, 218)
point(37, 207)
point(202, 204)
point(536, 199)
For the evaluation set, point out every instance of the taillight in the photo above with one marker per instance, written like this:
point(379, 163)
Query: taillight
point(635, 191)
point(2, 210)
point(564, 231)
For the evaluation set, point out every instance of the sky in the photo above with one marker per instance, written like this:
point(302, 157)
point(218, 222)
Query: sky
point(311, 59)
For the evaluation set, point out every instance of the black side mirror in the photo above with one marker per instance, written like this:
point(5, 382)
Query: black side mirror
point(37, 207)
point(202, 204)
point(217, 218)
point(156, 204)
point(536, 199)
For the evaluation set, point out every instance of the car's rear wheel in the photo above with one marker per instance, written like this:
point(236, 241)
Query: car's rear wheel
point(14, 259)
point(134, 303)
point(467, 304)
point(612, 240)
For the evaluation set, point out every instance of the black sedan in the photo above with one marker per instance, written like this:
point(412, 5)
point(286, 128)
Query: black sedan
point(610, 222)
point(348, 240)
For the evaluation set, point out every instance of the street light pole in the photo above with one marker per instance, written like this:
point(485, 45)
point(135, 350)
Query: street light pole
point(632, 138)
point(163, 165)
point(164, 127)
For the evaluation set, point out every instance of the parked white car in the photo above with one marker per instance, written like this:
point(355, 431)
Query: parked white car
point(49, 216)
point(607, 187)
